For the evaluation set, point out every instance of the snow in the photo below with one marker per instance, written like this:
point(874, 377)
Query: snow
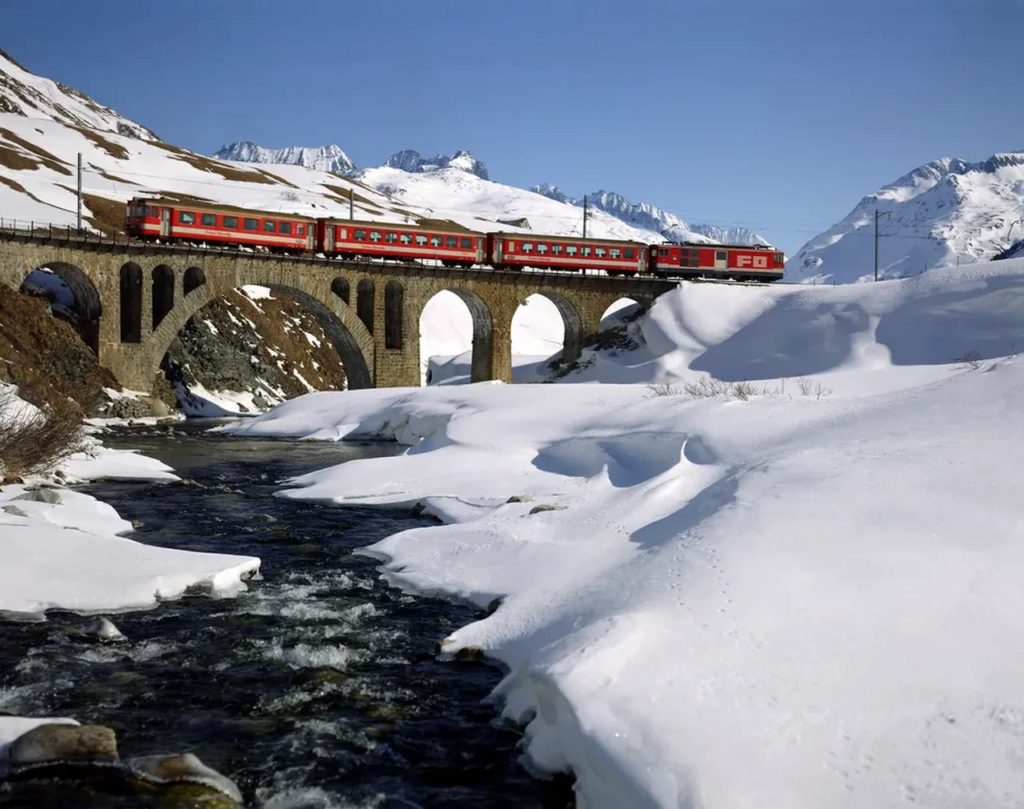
point(62, 549)
point(946, 213)
point(774, 598)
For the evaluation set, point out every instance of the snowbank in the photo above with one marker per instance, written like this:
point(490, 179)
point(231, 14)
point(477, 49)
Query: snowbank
point(60, 548)
point(775, 599)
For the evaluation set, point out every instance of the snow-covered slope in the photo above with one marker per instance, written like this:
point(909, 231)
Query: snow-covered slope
point(322, 158)
point(803, 592)
point(946, 212)
point(23, 93)
point(650, 217)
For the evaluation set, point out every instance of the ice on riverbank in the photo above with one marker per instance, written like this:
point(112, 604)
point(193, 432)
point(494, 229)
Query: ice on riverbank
point(804, 594)
point(60, 548)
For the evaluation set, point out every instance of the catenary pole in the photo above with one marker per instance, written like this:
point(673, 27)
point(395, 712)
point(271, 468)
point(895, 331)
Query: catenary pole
point(584, 216)
point(79, 192)
point(350, 216)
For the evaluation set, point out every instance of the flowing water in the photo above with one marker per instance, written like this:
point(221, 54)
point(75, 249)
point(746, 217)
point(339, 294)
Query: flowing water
point(318, 687)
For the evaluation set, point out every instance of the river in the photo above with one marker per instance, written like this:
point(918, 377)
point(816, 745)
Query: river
point(318, 687)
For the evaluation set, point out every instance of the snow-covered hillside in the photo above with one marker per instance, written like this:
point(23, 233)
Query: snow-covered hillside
point(412, 161)
point(23, 93)
point(322, 158)
point(789, 576)
point(946, 212)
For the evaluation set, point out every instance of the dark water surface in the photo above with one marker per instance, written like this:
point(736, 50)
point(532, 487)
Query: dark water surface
point(318, 687)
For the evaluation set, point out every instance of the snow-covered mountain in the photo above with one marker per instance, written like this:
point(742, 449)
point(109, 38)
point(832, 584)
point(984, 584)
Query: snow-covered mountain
point(650, 217)
point(322, 158)
point(25, 94)
point(412, 161)
point(945, 212)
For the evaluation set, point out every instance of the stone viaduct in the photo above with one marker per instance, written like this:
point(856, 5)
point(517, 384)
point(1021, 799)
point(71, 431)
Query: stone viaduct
point(132, 300)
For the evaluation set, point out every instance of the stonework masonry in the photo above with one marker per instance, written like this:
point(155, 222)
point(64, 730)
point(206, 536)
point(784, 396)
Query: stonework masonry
point(132, 301)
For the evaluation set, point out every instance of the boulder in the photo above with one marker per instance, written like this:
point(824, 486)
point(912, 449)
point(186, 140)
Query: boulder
point(183, 768)
point(102, 629)
point(49, 744)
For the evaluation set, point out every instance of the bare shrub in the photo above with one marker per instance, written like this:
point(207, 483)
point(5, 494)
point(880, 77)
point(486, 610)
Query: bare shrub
point(805, 385)
point(706, 389)
point(742, 391)
point(971, 361)
point(664, 389)
point(820, 391)
point(33, 441)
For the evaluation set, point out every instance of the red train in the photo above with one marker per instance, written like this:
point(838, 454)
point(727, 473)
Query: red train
point(452, 245)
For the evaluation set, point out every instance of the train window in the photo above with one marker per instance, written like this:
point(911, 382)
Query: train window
point(628, 253)
point(526, 247)
point(615, 252)
point(779, 260)
point(405, 238)
point(510, 245)
point(467, 242)
point(251, 224)
point(391, 238)
point(229, 221)
point(359, 235)
point(285, 227)
point(720, 255)
point(451, 241)
point(421, 239)
point(571, 250)
point(375, 235)
point(269, 225)
point(435, 241)
point(599, 252)
point(585, 251)
point(542, 248)
point(556, 249)
point(209, 219)
point(299, 229)
point(186, 217)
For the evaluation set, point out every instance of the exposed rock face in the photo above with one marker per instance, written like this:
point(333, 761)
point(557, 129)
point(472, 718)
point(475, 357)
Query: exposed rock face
point(46, 358)
point(261, 345)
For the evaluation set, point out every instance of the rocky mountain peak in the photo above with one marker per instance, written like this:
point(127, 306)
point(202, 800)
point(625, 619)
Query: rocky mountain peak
point(330, 158)
point(412, 161)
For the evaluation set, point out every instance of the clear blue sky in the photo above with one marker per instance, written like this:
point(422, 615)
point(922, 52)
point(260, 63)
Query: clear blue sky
point(775, 114)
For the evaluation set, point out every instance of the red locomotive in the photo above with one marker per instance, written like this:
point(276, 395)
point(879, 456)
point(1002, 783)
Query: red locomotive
point(452, 245)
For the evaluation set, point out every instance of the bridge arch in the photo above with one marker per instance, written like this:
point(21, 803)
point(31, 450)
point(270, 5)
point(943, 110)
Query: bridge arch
point(339, 286)
point(349, 337)
point(394, 314)
point(572, 323)
point(482, 341)
point(163, 292)
point(194, 278)
point(87, 306)
point(130, 291)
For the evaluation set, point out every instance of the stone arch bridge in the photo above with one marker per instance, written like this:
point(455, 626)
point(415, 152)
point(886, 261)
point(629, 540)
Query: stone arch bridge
point(133, 299)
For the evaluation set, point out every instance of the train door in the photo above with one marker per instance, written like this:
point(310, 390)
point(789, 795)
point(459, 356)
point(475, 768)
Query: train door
point(721, 259)
point(165, 221)
point(328, 237)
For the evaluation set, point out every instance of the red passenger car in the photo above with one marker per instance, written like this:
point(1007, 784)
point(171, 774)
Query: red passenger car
point(739, 262)
point(454, 247)
point(518, 250)
point(167, 220)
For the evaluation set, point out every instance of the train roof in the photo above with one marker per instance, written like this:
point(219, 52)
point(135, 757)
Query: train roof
point(728, 246)
point(432, 226)
point(546, 237)
point(216, 207)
